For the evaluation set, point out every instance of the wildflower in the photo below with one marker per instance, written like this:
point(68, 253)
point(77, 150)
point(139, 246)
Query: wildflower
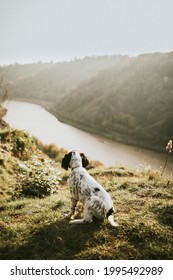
point(169, 147)
point(168, 151)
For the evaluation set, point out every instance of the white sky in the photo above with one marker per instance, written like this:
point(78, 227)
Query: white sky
point(44, 30)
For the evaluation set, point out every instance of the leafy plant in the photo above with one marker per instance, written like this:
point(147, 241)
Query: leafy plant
point(51, 150)
point(38, 179)
point(19, 142)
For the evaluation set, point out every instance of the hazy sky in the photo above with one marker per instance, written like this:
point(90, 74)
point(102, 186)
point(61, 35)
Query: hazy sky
point(44, 30)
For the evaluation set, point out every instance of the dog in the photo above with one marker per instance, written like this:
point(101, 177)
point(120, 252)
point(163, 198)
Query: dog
point(84, 188)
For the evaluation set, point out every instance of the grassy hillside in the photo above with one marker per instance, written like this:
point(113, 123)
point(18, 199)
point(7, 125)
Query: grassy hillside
point(33, 225)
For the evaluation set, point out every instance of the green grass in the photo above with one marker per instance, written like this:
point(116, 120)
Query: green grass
point(33, 228)
point(36, 228)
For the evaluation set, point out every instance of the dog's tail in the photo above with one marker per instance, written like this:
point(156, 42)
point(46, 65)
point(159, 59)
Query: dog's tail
point(110, 217)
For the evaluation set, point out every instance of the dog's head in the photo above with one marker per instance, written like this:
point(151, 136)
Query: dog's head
point(74, 159)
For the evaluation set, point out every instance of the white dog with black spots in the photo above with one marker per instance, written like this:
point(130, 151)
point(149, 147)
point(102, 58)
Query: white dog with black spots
point(84, 188)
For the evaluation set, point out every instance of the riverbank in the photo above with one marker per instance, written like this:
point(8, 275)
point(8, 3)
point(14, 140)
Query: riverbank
point(109, 134)
point(93, 129)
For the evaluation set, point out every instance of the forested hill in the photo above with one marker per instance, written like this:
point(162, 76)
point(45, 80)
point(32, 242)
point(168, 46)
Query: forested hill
point(51, 81)
point(126, 99)
point(131, 101)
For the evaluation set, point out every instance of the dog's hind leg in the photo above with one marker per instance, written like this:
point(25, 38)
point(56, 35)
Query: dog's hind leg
point(88, 217)
point(77, 221)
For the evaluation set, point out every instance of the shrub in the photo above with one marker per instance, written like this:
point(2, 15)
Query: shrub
point(51, 150)
point(21, 144)
point(38, 179)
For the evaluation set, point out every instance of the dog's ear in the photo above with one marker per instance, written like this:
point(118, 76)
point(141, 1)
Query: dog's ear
point(85, 161)
point(66, 161)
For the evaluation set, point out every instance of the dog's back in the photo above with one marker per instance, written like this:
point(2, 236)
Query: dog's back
point(86, 186)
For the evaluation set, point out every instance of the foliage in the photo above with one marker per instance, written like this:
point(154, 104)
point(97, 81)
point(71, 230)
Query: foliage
point(51, 150)
point(25, 170)
point(38, 178)
point(19, 142)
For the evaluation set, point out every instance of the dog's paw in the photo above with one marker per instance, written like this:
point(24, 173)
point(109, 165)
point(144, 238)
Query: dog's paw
point(70, 216)
point(77, 221)
point(67, 215)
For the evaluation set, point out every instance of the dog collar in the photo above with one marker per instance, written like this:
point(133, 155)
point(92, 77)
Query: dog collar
point(75, 167)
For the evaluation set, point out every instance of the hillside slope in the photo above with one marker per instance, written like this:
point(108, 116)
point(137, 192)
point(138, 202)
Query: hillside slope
point(131, 101)
point(34, 197)
point(24, 170)
point(50, 81)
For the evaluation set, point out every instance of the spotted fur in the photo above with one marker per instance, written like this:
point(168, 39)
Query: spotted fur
point(84, 188)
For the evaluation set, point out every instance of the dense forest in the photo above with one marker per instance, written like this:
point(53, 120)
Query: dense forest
point(123, 98)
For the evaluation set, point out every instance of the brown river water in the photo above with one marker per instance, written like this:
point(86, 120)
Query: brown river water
point(43, 125)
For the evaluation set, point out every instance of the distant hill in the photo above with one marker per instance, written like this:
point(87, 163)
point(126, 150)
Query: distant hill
point(50, 81)
point(131, 101)
point(125, 99)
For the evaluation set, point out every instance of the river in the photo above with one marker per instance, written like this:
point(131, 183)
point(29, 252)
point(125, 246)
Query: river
point(43, 125)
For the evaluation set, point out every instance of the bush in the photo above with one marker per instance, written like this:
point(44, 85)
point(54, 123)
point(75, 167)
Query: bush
point(38, 179)
point(21, 144)
point(51, 150)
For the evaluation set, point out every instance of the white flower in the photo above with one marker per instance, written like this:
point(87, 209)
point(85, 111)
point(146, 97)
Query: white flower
point(169, 147)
